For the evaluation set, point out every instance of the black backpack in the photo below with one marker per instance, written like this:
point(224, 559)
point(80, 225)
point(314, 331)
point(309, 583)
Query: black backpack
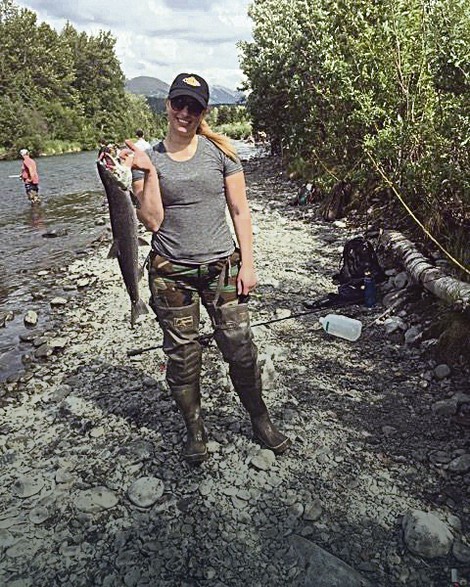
point(359, 258)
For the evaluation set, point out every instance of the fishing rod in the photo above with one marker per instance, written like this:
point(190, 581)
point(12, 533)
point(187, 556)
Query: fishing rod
point(206, 339)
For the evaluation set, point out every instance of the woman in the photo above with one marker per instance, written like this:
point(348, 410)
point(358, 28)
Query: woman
point(183, 187)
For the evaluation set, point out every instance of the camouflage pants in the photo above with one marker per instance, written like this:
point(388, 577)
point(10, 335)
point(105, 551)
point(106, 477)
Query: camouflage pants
point(175, 285)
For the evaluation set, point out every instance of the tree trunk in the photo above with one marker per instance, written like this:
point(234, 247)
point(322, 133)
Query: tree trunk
point(423, 272)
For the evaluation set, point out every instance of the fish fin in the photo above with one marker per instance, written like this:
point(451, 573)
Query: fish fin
point(114, 250)
point(142, 242)
point(137, 310)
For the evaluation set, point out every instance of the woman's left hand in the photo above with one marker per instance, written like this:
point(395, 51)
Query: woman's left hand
point(246, 280)
point(135, 158)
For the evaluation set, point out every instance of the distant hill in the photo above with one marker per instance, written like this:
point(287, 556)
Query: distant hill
point(147, 86)
point(152, 87)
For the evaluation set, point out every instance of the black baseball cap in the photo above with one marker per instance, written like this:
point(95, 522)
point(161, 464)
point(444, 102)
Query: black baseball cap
point(190, 84)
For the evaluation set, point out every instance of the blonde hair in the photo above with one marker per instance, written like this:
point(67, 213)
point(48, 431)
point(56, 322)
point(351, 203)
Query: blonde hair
point(220, 141)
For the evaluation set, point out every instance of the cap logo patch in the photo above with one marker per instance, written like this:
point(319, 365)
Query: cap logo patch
point(191, 81)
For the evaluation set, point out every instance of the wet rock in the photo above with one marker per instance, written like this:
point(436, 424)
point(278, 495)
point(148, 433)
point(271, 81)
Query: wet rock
point(55, 233)
point(426, 535)
point(58, 302)
point(30, 318)
point(83, 282)
point(43, 351)
point(5, 317)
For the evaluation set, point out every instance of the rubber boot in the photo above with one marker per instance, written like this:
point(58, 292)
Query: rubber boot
point(188, 400)
point(181, 345)
point(235, 340)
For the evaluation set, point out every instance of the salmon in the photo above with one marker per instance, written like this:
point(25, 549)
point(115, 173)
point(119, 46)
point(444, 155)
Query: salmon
point(125, 238)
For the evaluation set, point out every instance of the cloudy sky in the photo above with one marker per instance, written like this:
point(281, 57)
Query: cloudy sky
point(161, 38)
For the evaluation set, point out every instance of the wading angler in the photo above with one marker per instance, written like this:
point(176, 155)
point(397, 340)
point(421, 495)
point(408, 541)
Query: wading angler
point(183, 185)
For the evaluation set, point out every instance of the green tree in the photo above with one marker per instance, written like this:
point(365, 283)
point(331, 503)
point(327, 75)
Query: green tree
point(358, 89)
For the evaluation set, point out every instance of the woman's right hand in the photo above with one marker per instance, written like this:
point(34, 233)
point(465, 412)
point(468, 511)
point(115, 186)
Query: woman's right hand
point(135, 158)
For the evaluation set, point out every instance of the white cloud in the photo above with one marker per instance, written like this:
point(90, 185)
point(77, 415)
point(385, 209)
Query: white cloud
point(161, 38)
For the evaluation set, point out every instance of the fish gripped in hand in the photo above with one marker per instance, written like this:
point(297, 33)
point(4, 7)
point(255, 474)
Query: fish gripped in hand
point(117, 181)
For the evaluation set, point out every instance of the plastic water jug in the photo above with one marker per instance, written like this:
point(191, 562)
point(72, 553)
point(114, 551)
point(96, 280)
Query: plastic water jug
point(342, 326)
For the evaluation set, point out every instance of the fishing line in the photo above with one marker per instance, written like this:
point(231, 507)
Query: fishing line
point(206, 339)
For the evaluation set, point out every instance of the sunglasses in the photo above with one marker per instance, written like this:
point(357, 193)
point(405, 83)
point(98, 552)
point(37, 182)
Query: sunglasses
point(180, 102)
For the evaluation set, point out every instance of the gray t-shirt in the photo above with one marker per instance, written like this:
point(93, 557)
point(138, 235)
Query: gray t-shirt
point(194, 229)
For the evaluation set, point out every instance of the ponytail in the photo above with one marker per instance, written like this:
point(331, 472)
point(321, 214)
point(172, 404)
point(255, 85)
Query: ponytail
point(220, 141)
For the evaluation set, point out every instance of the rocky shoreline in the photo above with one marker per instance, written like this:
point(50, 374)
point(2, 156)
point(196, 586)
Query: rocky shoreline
point(374, 491)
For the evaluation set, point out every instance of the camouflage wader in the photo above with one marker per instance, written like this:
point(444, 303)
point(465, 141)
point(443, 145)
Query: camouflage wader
point(177, 291)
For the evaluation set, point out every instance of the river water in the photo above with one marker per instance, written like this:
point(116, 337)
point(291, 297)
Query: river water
point(72, 200)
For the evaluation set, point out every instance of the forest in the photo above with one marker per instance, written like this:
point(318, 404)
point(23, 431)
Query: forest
point(61, 91)
point(372, 94)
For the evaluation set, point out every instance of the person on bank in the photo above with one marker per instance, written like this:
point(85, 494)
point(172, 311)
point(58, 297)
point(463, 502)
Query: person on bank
point(183, 187)
point(141, 143)
point(30, 177)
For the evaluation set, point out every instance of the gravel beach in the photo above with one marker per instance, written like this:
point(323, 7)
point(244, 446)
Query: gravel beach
point(375, 490)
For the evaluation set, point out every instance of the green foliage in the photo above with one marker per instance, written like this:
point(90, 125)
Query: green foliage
point(61, 91)
point(231, 120)
point(346, 89)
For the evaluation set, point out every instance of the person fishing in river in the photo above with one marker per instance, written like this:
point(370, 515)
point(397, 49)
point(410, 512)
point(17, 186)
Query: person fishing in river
point(30, 177)
point(183, 186)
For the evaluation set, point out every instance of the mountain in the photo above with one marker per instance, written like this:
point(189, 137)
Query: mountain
point(152, 87)
point(221, 95)
point(147, 86)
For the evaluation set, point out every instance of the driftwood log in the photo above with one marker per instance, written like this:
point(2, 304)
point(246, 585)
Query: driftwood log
point(422, 271)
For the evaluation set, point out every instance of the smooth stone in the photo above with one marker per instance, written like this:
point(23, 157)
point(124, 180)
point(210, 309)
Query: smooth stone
point(145, 491)
point(460, 464)
point(442, 371)
point(30, 318)
point(95, 500)
point(263, 460)
point(58, 301)
point(426, 535)
point(39, 515)
point(26, 486)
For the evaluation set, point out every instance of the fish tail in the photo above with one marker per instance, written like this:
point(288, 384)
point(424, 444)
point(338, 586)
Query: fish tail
point(138, 309)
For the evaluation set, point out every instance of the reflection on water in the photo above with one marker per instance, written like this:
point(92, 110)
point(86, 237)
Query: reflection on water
point(37, 218)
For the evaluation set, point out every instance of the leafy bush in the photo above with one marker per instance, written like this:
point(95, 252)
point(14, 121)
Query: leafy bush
point(236, 130)
point(372, 93)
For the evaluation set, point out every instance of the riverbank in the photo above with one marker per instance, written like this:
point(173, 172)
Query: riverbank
point(96, 493)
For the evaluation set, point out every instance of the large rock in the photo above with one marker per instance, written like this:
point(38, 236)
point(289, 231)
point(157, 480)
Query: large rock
point(426, 535)
point(323, 569)
point(95, 500)
point(145, 491)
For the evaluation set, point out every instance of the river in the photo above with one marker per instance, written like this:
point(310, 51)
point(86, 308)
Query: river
point(72, 200)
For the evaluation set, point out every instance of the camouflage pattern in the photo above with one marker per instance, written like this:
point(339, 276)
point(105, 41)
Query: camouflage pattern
point(174, 285)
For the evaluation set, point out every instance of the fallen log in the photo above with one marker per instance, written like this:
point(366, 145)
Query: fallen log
point(422, 271)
